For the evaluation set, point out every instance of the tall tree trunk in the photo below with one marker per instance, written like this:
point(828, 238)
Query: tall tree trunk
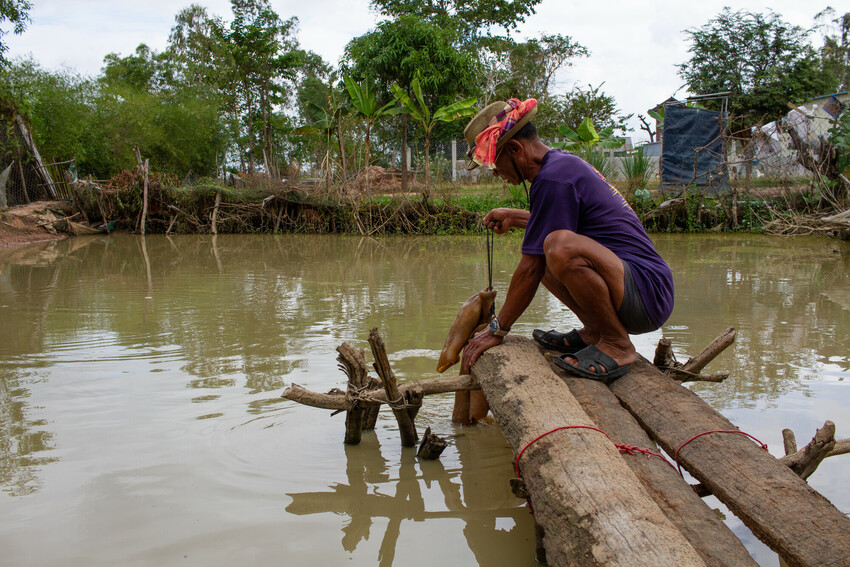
point(250, 104)
point(404, 154)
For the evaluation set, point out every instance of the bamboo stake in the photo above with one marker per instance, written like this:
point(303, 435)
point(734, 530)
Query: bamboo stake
point(215, 212)
point(144, 168)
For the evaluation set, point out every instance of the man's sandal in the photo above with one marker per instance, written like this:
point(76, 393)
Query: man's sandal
point(562, 342)
point(605, 369)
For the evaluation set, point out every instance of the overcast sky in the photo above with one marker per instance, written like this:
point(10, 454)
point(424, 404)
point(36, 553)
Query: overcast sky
point(635, 45)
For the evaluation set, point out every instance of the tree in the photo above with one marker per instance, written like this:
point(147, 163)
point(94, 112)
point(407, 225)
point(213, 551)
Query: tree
point(420, 112)
point(572, 108)
point(469, 19)
point(265, 58)
point(528, 68)
point(365, 100)
point(835, 53)
point(142, 71)
point(17, 13)
point(396, 50)
point(760, 59)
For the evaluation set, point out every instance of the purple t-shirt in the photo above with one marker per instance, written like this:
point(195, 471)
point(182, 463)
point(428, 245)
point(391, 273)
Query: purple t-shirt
point(568, 193)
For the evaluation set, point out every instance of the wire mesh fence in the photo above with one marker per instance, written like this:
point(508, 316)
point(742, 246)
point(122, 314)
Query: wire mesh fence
point(27, 182)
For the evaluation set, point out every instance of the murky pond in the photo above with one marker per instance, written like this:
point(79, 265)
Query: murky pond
point(140, 413)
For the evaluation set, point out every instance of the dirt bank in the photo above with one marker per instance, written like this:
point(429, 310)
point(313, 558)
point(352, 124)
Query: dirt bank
point(32, 223)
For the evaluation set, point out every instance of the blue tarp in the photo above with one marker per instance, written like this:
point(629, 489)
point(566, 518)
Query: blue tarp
point(693, 149)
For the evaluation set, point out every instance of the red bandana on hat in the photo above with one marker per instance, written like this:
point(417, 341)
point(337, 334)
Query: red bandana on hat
point(484, 153)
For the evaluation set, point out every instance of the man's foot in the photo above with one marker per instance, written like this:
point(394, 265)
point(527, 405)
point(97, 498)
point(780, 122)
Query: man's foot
point(562, 342)
point(593, 363)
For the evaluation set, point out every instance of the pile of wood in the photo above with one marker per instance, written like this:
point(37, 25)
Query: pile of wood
point(601, 492)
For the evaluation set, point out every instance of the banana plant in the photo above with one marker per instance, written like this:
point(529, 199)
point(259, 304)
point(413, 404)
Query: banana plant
point(586, 136)
point(329, 124)
point(365, 101)
point(420, 112)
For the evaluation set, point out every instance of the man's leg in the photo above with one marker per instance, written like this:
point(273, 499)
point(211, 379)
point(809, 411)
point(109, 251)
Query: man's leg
point(589, 279)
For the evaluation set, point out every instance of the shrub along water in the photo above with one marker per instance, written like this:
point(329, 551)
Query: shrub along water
point(262, 205)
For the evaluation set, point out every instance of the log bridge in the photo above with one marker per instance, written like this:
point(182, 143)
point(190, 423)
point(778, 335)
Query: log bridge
point(587, 460)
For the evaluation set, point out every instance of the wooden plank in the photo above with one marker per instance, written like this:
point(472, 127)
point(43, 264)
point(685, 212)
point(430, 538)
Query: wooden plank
point(592, 507)
point(709, 536)
point(778, 506)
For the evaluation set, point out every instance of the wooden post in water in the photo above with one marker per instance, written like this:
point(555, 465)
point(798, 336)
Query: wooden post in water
point(397, 401)
point(352, 362)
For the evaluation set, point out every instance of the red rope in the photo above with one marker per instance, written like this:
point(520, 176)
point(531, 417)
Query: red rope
point(629, 449)
point(763, 445)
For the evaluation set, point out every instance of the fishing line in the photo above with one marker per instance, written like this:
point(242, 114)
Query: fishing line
point(491, 239)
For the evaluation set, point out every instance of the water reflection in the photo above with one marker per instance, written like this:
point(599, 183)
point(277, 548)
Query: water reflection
point(496, 529)
point(788, 299)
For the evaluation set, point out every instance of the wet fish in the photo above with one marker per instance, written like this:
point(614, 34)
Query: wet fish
point(474, 315)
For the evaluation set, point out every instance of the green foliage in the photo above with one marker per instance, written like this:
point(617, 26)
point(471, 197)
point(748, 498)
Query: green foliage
point(761, 60)
point(572, 108)
point(17, 13)
point(835, 53)
point(400, 49)
point(469, 19)
point(419, 111)
point(839, 137)
point(586, 137)
point(637, 170)
point(526, 69)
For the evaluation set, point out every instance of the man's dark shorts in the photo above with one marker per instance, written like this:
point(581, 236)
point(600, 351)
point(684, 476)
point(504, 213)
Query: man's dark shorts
point(632, 311)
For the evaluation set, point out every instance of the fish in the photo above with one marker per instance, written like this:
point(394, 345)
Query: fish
point(473, 316)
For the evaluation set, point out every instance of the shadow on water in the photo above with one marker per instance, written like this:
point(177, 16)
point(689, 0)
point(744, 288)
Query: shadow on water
point(497, 531)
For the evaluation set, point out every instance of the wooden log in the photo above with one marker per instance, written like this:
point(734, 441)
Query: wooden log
point(370, 411)
point(789, 441)
point(805, 461)
point(710, 352)
point(706, 532)
point(396, 400)
point(338, 401)
point(842, 447)
point(778, 506)
point(353, 364)
point(663, 354)
point(591, 506)
point(432, 446)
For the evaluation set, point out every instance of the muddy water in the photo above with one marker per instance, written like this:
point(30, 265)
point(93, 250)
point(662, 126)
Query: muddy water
point(140, 413)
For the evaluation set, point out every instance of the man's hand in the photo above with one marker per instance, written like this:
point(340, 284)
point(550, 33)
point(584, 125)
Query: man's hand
point(477, 344)
point(502, 220)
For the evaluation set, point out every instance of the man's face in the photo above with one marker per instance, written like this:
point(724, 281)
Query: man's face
point(505, 169)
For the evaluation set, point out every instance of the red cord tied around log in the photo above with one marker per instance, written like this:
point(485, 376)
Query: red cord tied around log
point(763, 445)
point(628, 449)
point(623, 448)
